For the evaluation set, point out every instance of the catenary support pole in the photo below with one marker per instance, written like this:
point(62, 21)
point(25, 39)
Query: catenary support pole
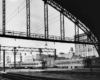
point(4, 60)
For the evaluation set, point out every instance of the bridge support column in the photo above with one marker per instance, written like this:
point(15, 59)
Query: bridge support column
point(4, 60)
point(28, 17)
point(3, 16)
point(62, 26)
point(76, 33)
point(46, 19)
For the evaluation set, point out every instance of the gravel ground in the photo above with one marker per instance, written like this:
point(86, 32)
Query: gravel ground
point(65, 76)
point(58, 75)
point(4, 78)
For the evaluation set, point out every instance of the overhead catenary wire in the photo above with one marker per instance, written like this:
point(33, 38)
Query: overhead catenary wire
point(43, 26)
point(49, 20)
point(16, 9)
point(43, 23)
point(42, 20)
point(17, 12)
point(22, 9)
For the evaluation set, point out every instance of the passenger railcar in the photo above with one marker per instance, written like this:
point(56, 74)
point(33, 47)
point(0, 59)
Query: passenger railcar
point(95, 62)
point(34, 64)
point(78, 63)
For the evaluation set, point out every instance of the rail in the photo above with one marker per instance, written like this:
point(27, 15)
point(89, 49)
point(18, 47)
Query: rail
point(26, 77)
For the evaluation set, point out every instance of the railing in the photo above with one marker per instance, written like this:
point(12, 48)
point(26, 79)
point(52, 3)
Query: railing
point(41, 36)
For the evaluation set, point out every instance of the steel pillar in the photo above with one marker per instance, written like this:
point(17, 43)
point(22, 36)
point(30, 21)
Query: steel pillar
point(55, 56)
point(4, 60)
point(62, 26)
point(3, 16)
point(0, 53)
point(14, 57)
point(76, 33)
point(46, 19)
point(20, 57)
point(40, 50)
point(28, 17)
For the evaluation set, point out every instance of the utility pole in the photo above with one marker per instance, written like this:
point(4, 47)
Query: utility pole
point(55, 56)
point(4, 60)
point(0, 53)
point(15, 51)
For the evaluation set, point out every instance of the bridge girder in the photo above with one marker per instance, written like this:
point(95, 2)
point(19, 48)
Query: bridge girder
point(60, 9)
point(82, 26)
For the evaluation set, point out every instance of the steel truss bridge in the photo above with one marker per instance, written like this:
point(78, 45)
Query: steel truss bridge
point(46, 36)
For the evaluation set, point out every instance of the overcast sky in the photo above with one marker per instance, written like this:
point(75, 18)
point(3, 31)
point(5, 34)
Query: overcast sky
point(18, 23)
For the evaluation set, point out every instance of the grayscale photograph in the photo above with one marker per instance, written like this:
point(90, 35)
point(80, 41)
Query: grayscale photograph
point(49, 40)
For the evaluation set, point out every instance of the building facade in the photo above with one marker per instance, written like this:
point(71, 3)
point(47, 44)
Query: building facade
point(85, 50)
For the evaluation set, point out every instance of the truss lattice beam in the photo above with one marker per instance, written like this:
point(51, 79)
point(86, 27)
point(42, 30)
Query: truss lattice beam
point(46, 19)
point(76, 33)
point(26, 49)
point(28, 17)
point(74, 20)
point(3, 16)
point(62, 26)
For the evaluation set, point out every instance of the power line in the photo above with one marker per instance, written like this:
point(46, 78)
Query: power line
point(16, 9)
point(14, 12)
point(18, 12)
point(43, 23)
point(49, 24)
point(42, 20)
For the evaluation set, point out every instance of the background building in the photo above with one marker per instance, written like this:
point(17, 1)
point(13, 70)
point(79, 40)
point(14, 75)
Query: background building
point(85, 50)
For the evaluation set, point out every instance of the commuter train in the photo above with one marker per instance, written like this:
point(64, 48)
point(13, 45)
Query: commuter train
point(66, 63)
point(35, 64)
point(78, 63)
point(95, 63)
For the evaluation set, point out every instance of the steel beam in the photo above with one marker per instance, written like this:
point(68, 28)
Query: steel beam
point(76, 33)
point(0, 53)
point(55, 56)
point(46, 19)
point(20, 57)
point(15, 51)
point(4, 60)
point(74, 20)
point(28, 17)
point(62, 26)
point(3, 16)
point(40, 50)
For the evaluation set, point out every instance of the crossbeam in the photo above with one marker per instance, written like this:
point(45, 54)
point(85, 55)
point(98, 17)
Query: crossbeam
point(26, 49)
point(41, 37)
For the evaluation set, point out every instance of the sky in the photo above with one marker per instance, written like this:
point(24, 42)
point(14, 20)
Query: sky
point(16, 21)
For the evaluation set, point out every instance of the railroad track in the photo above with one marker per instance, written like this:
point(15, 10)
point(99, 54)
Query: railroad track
point(72, 72)
point(14, 76)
